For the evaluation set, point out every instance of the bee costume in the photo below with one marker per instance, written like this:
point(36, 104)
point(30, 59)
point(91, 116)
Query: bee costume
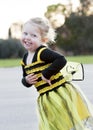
point(61, 106)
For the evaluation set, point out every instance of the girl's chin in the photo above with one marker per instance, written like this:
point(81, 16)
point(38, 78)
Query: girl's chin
point(29, 48)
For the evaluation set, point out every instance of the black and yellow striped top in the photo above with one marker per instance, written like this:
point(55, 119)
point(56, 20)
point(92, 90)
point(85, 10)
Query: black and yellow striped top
point(47, 63)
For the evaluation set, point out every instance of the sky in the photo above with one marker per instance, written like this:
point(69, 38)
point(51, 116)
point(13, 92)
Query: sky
point(21, 10)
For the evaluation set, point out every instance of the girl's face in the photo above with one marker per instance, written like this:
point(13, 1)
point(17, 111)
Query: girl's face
point(31, 38)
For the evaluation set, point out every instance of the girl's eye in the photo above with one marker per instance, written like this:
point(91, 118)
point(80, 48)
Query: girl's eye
point(25, 33)
point(33, 35)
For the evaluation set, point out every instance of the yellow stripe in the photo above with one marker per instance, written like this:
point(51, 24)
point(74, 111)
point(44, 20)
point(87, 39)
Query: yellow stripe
point(37, 69)
point(52, 86)
point(34, 63)
point(55, 76)
point(22, 63)
point(38, 59)
point(38, 56)
point(43, 82)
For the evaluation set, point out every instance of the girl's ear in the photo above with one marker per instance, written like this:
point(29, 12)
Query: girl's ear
point(44, 40)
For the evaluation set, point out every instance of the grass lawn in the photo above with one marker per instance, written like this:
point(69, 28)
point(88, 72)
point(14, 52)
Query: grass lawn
point(82, 59)
point(9, 62)
point(16, 62)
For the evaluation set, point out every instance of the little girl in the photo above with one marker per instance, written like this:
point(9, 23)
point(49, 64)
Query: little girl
point(61, 105)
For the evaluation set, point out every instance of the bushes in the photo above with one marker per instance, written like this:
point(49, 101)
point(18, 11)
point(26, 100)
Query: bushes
point(76, 35)
point(11, 48)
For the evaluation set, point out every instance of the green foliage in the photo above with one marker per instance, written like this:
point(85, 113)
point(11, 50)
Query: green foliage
point(76, 35)
point(80, 36)
point(85, 7)
point(11, 48)
point(55, 10)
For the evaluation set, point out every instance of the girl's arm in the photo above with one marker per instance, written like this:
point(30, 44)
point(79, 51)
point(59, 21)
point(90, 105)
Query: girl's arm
point(57, 61)
point(28, 80)
point(24, 82)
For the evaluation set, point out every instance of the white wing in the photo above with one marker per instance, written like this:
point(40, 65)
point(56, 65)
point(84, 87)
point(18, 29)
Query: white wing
point(73, 71)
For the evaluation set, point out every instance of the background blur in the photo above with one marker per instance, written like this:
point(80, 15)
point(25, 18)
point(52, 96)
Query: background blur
point(71, 19)
point(73, 23)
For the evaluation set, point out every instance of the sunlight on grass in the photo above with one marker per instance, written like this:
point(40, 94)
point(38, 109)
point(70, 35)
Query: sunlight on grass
point(16, 62)
point(10, 62)
point(81, 59)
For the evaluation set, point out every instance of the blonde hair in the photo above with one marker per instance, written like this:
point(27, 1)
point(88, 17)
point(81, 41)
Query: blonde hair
point(45, 28)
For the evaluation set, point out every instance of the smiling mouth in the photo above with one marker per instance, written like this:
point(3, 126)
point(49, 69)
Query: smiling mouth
point(28, 43)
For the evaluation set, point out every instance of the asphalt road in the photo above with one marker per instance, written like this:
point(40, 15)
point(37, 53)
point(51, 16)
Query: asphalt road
point(18, 104)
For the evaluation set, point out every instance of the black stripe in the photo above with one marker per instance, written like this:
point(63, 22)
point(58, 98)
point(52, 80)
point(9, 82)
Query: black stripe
point(42, 86)
point(56, 80)
point(39, 79)
point(38, 65)
point(46, 84)
point(53, 81)
point(63, 85)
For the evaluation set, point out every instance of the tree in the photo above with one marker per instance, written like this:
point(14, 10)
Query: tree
point(15, 30)
point(85, 7)
point(57, 14)
point(76, 34)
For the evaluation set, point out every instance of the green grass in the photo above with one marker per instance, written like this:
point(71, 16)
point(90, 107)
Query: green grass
point(16, 62)
point(9, 62)
point(81, 59)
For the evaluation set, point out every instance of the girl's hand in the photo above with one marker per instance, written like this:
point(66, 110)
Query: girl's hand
point(31, 78)
point(47, 80)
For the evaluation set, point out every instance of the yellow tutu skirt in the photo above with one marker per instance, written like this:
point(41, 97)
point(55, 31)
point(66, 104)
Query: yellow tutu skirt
point(64, 108)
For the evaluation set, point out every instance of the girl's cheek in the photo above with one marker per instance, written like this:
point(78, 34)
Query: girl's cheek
point(23, 37)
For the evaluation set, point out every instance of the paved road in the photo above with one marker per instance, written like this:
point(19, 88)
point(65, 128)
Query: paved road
point(18, 104)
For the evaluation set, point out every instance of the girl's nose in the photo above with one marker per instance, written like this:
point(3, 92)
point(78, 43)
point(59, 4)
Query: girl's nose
point(28, 37)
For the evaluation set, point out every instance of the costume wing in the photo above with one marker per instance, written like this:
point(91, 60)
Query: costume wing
point(73, 71)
